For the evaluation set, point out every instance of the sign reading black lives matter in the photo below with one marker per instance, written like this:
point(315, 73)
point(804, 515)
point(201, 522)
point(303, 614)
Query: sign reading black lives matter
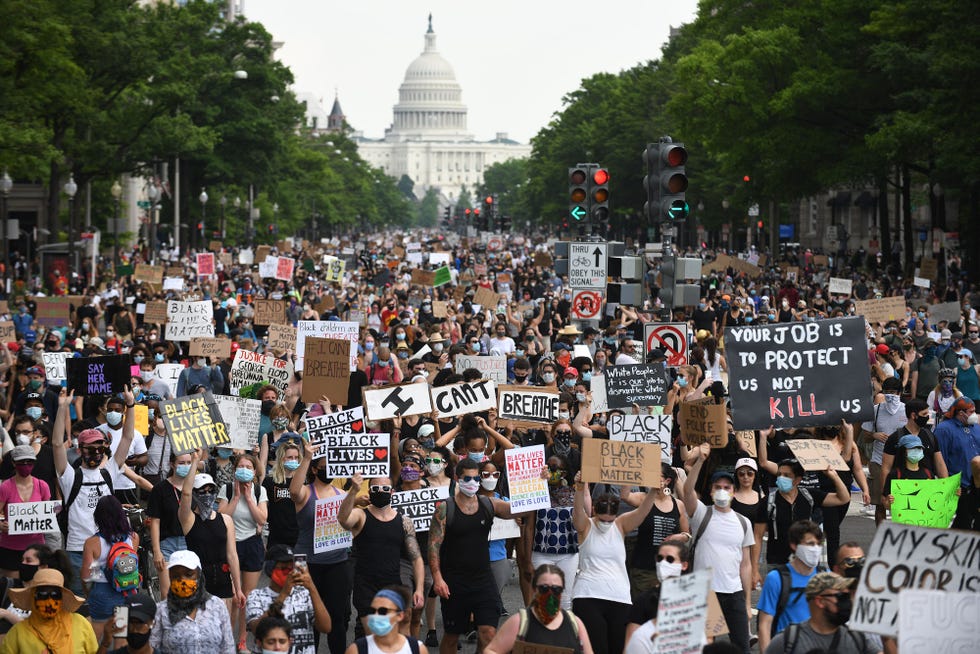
point(349, 454)
point(420, 504)
point(644, 384)
point(799, 374)
point(194, 422)
point(350, 421)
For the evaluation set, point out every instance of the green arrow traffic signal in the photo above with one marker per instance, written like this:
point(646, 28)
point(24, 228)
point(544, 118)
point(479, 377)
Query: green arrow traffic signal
point(578, 212)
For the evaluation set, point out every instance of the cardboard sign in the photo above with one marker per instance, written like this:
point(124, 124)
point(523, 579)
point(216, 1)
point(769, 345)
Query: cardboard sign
point(643, 428)
point(682, 613)
point(715, 625)
point(486, 298)
point(799, 374)
point(723, 262)
point(951, 312)
point(52, 311)
point(193, 422)
point(839, 286)
point(242, 416)
point(269, 312)
point(494, 368)
point(703, 421)
point(185, 320)
point(55, 368)
point(147, 273)
point(423, 277)
point(103, 375)
point(252, 368)
point(350, 421)
point(326, 369)
point(881, 311)
point(528, 491)
point(467, 397)
point(925, 502)
point(746, 441)
point(219, 348)
point(440, 309)
point(281, 338)
point(905, 557)
point(937, 621)
point(8, 333)
point(205, 264)
point(542, 259)
point(530, 406)
point(645, 384)
point(32, 517)
point(262, 253)
point(928, 268)
point(616, 462)
point(420, 504)
point(328, 535)
point(327, 329)
point(348, 454)
point(399, 400)
point(156, 313)
point(815, 454)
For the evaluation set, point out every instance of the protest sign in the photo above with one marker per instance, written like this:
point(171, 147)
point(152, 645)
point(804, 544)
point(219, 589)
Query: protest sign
point(486, 298)
point(32, 517)
point(284, 268)
point(440, 309)
point(268, 267)
point(928, 269)
point(326, 369)
point(746, 441)
point(439, 258)
point(528, 491)
point(348, 454)
point(269, 312)
point(242, 418)
point(502, 529)
point(8, 333)
point(599, 402)
point(219, 348)
point(52, 311)
point(703, 421)
point(205, 264)
point(951, 312)
point(643, 428)
point(194, 422)
point(214, 246)
point(327, 329)
point(334, 271)
point(494, 368)
point(420, 504)
point(141, 415)
point(251, 367)
point(881, 310)
point(423, 277)
point(467, 397)
point(530, 406)
point(839, 286)
point(328, 535)
point(185, 320)
point(173, 283)
point(55, 368)
point(938, 622)
point(262, 253)
point(147, 273)
point(156, 312)
point(815, 454)
point(169, 373)
point(98, 375)
point(715, 625)
point(616, 462)
point(281, 338)
point(905, 557)
point(645, 384)
point(924, 502)
point(799, 374)
point(442, 276)
point(723, 262)
point(350, 421)
point(398, 400)
point(682, 613)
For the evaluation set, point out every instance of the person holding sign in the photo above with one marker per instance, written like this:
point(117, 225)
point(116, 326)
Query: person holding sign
point(910, 455)
point(19, 489)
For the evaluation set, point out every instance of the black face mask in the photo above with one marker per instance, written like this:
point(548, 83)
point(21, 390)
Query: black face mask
point(321, 474)
point(137, 641)
point(922, 421)
point(853, 572)
point(267, 406)
point(27, 571)
point(379, 499)
point(843, 611)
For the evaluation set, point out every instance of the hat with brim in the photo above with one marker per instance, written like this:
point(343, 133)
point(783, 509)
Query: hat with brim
point(569, 330)
point(23, 598)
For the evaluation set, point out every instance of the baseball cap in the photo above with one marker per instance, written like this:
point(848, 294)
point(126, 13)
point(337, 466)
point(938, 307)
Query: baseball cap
point(279, 553)
point(203, 479)
point(426, 430)
point(826, 581)
point(747, 463)
point(35, 370)
point(141, 607)
point(723, 474)
point(908, 441)
point(23, 453)
point(186, 558)
point(33, 397)
point(570, 371)
point(963, 353)
point(945, 334)
point(881, 348)
point(91, 436)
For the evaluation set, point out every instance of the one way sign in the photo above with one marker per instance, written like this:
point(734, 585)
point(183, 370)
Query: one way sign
point(587, 266)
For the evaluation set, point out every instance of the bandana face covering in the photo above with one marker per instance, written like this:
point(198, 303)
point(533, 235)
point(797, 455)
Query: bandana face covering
point(547, 605)
point(183, 588)
point(47, 608)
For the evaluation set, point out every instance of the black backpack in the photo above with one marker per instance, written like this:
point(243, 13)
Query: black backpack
point(786, 590)
point(793, 635)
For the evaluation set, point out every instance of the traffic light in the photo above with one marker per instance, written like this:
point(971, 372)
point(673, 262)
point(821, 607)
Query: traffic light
point(599, 194)
point(651, 183)
point(667, 280)
point(447, 217)
point(666, 182)
point(578, 193)
point(491, 211)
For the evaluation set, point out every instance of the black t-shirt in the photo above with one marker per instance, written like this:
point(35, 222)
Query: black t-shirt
point(282, 513)
point(929, 446)
point(777, 549)
point(899, 472)
point(163, 504)
point(704, 319)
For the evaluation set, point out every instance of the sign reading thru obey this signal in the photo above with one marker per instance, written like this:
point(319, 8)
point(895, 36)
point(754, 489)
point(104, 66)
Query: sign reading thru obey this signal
point(671, 338)
point(587, 266)
point(586, 305)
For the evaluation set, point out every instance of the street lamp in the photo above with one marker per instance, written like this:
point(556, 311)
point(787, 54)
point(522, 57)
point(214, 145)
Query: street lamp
point(5, 185)
point(203, 197)
point(116, 191)
point(153, 193)
point(224, 203)
point(237, 202)
point(71, 188)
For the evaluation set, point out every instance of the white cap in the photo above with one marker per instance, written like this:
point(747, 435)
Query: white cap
point(203, 479)
point(426, 430)
point(747, 462)
point(185, 559)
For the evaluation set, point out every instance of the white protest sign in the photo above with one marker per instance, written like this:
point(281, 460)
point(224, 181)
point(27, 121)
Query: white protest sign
point(169, 373)
point(839, 286)
point(185, 320)
point(349, 454)
point(350, 421)
point(937, 621)
point(54, 366)
point(598, 389)
point(242, 418)
point(173, 284)
point(327, 329)
point(439, 258)
point(682, 613)
point(467, 397)
point(494, 368)
point(268, 267)
point(251, 368)
point(908, 557)
point(528, 491)
point(643, 428)
point(921, 282)
point(502, 529)
point(580, 350)
point(246, 257)
point(31, 517)
point(328, 535)
point(401, 400)
point(420, 504)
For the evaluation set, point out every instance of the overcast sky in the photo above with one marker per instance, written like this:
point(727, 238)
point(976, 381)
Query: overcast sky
point(514, 59)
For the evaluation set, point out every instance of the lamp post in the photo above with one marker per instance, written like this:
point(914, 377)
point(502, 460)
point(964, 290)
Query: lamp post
point(153, 193)
point(116, 191)
point(71, 188)
point(203, 197)
point(237, 203)
point(275, 217)
point(224, 203)
point(5, 185)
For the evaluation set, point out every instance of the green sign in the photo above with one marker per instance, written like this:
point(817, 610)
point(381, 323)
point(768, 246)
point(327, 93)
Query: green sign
point(124, 271)
point(143, 204)
point(925, 502)
point(578, 212)
point(442, 276)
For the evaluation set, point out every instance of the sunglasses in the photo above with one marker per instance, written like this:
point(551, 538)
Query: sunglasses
point(48, 594)
point(431, 460)
point(668, 558)
point(554, 590)
point(94, 450)
point(746, 473)
point(470, 478)
point(204, 491)
point(852, 561)
point(607, 508)
point(563, 432)
point(380, 489)
point(490, 475)
point(381, 610)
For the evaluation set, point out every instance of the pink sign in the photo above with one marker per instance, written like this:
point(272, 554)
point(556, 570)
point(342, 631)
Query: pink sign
point(284, 269)
point(205, 264)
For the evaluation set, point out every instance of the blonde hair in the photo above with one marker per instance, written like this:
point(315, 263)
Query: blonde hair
point(278, 468)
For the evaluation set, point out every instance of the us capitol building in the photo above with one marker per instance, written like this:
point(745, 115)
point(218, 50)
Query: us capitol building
point(428, 140)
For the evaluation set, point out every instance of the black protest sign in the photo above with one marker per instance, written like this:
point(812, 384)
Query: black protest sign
point(98, 375)
point(420, 504)
point(527, 405)
point(645, 384)
point(799, 374)
point(193, 422)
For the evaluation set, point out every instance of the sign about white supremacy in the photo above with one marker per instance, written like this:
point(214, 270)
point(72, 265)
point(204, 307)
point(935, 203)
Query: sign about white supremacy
point(642, 384)
point(467, 397)
point(185, 320)
point(420, 504)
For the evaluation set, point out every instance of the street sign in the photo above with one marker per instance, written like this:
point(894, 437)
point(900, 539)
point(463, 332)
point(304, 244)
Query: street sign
point(586, 305)
point(669, 337)
point(587, 267)
point(143, 204)
point(578, 212)
point(754, 211)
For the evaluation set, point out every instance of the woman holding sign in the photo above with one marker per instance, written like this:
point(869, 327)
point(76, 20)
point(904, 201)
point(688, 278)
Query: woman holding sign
point(19, 489)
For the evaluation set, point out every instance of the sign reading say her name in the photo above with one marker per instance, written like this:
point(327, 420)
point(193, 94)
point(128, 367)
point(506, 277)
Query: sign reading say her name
point(641, 429)
point(467, 397)
point(194, 422)
point(799, 374)
point(350, 421)
point(645, 384)
point(400, 400)
point(98, 375)
point(494, 368)
point(420, 504)
point(349, 454)
point(185, 320)
point(251, 367)
point(527, 405)
point(32, 517)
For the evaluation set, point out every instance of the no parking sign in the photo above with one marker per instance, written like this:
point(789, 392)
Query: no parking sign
point(671, 337)
point(586, 305)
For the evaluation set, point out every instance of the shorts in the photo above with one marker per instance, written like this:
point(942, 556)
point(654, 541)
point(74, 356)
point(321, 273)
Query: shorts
point(102, 599)
point(10, 559)
point(875, 482)
point(408, 577)
point(172, 544)
point(251, 554)
point(217, 579)
point(483, 603)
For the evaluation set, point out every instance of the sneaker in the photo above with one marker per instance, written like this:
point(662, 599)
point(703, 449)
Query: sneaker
point(753, 639)
point(431, 640)
point(471, 636)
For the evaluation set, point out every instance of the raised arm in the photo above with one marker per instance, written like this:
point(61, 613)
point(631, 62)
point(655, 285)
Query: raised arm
point(57, 434)
point(842, 496)
point(298, 489)
point(580, 508)
point(129, 429)
point(350, 517)
point(690, 498)
point(185, 511)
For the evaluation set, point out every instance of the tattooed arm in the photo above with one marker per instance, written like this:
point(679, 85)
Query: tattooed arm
point(415, 556)
point(437, 531)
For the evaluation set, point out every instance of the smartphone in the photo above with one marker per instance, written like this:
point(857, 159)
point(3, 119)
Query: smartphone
point(299, 561)
point(120, 621)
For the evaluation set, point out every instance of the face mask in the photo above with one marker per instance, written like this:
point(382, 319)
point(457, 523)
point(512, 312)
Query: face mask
point(603, 526)
point(183, 470)
point(722, 498)
point(772, 316)
point(279, 576)
point(34, 412)
point(47, 608)
point(321, 474)
point(267, 406)
point(202, 363)
point(92, 460)
point(244, 475)
point(437, 347)
point(183, 588)
point(843, 611)
point(34, 384)
point(113, 418)
point(434, 468)
point(682, 382)
point(280, 423)
point(852, 572)
point(784, 484)
point(292, 465)
point(23, 440)
point(383, 364)
point(702, 306)
point(402, 354)
point(563, 415)
point(973, 419)
point(146, 375)
point(204, 502)
point(25, 469)
point(921, 421)
point(518, 353)
point(369, 346)
point(410, 474)
point(586, 376)
point(547, 605)
point(569, 383)
point(379, 625)
point(489, 484)
point(475, 347)
point(400, 337)
point(137, 641)
point(913, 456)
point(809, 555)
point(428, 443)
point(548, 377)
point(27, 570)
point(475, 456)
point(469, 488)
point(580, 397)
point(666, 570)
point(158, 357)
point(379, 499)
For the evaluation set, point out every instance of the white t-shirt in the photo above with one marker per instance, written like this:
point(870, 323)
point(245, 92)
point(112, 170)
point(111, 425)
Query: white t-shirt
point(81, 523)
point(136, 448)
point(720, 546)
point(245, 526)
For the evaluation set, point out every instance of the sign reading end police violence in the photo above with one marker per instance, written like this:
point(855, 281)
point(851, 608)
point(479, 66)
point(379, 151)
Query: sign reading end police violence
point(799, 374)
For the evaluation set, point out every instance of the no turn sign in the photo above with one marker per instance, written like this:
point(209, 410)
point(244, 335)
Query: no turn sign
point(586, 305)
point(670, 337)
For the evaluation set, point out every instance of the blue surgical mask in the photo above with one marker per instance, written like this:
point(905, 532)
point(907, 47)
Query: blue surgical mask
point(244, 474)
point(380, 625)
point(518, 353)
point(784, 484)
point(225, 452)
point(34, 412)
point(113, 418)
point(914, 455)
point(291, 465)
point(587, 376)
point(569, 383)
point(183, 470)
point(682, 381)
point(580, 397)
point(158, 357)
point(475, 456)
point(369, 346)
point(138, 359)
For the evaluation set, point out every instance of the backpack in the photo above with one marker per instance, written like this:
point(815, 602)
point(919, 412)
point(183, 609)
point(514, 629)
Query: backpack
point(122, 567)
point(362, 645)
point(485, 504)
point(230, 491)
point(742, 520)
point(771, 509)
point(522, 628)
point(76, 488)
point(786, 589)
point(793, 635)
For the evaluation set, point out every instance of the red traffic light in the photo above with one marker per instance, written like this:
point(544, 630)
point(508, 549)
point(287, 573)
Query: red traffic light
point(600, 176)
point(673, 155)
point(746, 178)
point(476, 211)
point(489, 199)
point(467, 212)
point(760, 224)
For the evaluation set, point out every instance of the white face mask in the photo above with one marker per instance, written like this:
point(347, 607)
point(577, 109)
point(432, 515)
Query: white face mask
point(489, 484)
point(469, 488)
point(603, 526)
point(434, 468)
point(665, 570)
point(202, 362)
point(722, 498)
point(973, 419)
point(809, 555)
